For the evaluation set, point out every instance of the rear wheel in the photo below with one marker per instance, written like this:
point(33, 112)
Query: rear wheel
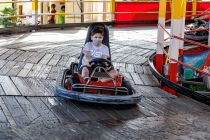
point(128, 86)
point(73, 68)
point(68, 83)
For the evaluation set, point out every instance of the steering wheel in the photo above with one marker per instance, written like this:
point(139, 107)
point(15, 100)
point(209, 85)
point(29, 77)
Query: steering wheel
point(100, 62)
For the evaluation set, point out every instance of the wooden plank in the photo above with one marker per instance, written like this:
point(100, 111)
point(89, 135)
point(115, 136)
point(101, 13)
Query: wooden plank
point(16, 69)
point(8, 86)
point(46, 47)
point(78, 115)
point(7, 113)
point(122, 58)
point(46, 114)
point(34, 70)
point(128, 58)
point(71, 59)
point(94, 113)
point(144, 91)
point(146, 70)
point(2, 63)
point(7, 54)
point(15, 55)
point(1, 90)
point(22, 86)
point(180, 105)
point(49, 84)
point(54, 60)
point(16, 111)
point(54, 73)
point(193, 103)
point(23, 57)
point(2, 51)
point(127, 112)
point(165, 105)
point(144, 51)
point(129, 68)
point(149, 80)
point(115, 56)
point(139, 51)
point(72, 51)
point(137, 59)
point(38, 88)
point(122, 67)
point(8, 66)
point(127, 131)
point(35, 58)
point(138, 68)
point(24, 72)
point(3, 118)
point(148, 106)
point(155, 92)
point(46, 59)
point(141, 60)
point(28, 109)
point(37, 47)
point(136, 78)
point(150, 52)
point(146, 112)
point(62, 62)
point(44, 72)
point(123, 49)
point(56, 107)
point(160, 109)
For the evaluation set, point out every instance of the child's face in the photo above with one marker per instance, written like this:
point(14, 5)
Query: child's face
point(97, 39)
point(63, 9)
point(97, 36)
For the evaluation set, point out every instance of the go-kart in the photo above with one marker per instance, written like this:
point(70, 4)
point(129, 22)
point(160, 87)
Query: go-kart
point(200, 36)
point(71, 85)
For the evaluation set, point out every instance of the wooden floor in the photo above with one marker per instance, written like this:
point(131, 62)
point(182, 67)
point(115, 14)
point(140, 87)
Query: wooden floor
point(29, 110)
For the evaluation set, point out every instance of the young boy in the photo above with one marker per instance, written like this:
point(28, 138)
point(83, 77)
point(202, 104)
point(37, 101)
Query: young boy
point(95, 49)
point(52, 17)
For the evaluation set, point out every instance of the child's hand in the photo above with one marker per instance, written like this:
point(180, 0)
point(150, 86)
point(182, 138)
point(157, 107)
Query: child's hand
point(89, 65)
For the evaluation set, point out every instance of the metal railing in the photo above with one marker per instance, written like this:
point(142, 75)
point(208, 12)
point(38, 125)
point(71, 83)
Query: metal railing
point(80, 14)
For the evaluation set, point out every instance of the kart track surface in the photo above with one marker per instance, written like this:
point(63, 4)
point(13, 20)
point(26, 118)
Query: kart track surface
point(29, 110)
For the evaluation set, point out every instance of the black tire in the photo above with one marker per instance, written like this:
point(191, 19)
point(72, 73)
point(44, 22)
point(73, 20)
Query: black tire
point(196, 38)
point(127, 84)
point(73, 67)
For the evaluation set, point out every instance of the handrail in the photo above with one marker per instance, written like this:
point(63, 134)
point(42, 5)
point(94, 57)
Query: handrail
point(197, 30)
point(76, 1)
point(184, 64)
point(85, 13)
point(183, 39)
point(181, 63)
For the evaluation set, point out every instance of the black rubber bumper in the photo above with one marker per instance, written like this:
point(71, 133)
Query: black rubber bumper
point(180, 89)
point(95, 98)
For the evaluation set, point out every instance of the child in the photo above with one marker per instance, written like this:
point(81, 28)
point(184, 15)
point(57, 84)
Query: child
point(52, 17)
point(60, 17)
point(95, 49)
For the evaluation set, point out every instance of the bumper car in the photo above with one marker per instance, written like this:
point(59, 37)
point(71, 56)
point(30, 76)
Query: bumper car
point(199, 36)
point(71, 85)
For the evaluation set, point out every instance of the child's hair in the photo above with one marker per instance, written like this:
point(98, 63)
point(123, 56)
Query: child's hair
point(97, 29)
point(63, 7)
point(53, 5)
